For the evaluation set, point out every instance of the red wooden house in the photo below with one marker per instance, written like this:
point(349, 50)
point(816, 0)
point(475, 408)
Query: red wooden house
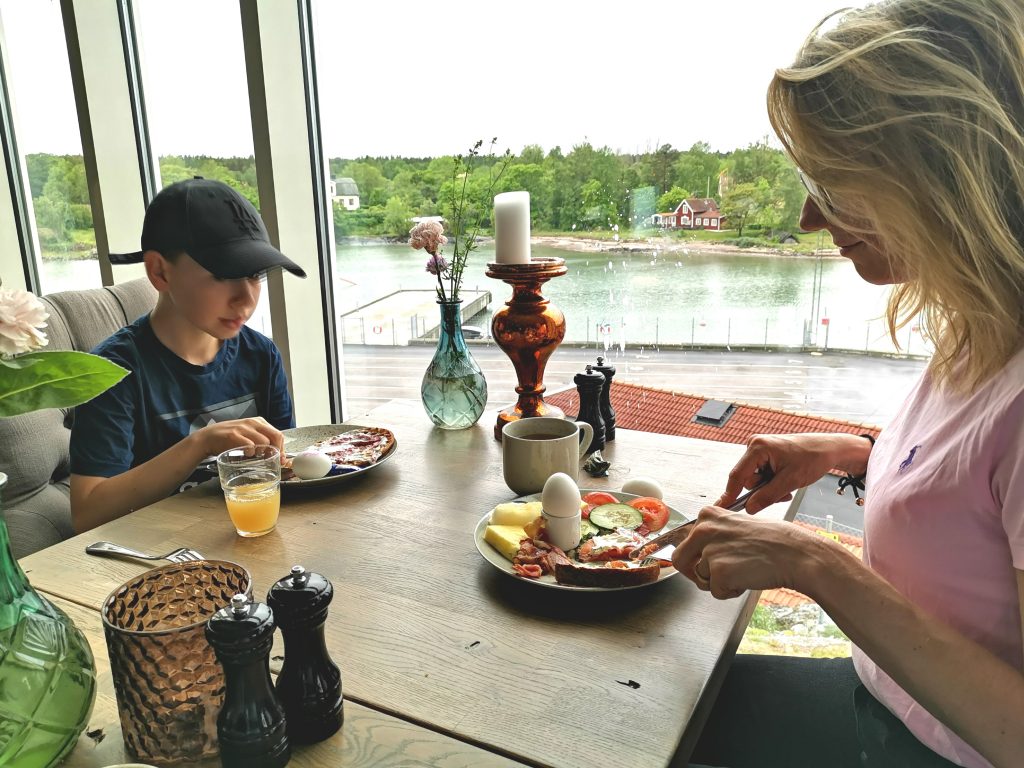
point(692, 213)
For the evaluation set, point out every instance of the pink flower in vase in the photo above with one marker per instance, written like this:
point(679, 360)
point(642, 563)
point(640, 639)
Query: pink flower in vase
point(436, 265)
point(428, 235)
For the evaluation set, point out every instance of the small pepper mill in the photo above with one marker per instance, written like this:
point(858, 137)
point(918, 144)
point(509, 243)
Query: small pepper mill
point(251, 726)
point(607, 412)
point(309, 685)
point(589, 384)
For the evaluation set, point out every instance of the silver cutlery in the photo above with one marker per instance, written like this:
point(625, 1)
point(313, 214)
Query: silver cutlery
point(677, 535)
point(107, 549)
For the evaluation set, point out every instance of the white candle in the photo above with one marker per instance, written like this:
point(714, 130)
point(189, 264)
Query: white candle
point(512, 228)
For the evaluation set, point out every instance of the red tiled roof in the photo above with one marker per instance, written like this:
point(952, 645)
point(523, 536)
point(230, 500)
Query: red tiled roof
point(671, 413)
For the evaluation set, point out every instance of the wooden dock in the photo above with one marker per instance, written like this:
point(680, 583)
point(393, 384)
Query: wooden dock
point(404, 316)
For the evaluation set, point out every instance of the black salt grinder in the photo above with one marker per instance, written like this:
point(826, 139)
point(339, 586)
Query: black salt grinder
point(309, 685)
point(589, 385)
point(251, 726)
point(607, 412)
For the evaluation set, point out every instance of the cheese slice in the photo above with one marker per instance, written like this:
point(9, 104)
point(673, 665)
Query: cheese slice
point(515, 513)
point(505, 538)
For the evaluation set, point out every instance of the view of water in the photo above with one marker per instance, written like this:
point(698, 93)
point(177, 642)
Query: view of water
point(638, 299)
point(665, 298)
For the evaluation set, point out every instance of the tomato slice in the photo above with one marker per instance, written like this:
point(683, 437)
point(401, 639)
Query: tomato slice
point(597, 498)
point(655, 511)
point(585, 511)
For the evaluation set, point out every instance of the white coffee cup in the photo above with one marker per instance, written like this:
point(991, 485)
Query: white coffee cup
point(533, 449)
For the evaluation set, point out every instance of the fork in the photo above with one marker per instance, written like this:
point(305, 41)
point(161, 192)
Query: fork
point(107, 549)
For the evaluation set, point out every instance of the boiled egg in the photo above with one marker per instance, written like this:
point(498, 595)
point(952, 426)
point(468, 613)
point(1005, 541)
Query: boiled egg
point(561, 496)
point(311, 465)
point(561, 502)
point(643, 486)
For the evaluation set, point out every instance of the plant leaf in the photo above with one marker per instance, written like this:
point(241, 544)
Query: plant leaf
point(54, 380)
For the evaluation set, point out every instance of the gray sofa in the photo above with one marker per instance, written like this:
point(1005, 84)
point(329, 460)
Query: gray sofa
point(34, 446)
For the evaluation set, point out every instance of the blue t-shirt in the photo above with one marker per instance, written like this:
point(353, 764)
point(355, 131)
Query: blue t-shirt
point(165, 398)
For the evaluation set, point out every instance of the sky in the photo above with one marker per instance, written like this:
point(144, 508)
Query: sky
point(428, 79)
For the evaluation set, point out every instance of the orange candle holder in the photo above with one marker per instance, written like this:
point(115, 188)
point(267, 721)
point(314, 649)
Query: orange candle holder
point(528, 329)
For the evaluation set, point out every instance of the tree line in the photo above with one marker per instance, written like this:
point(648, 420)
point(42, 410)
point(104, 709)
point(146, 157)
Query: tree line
point(585, 190)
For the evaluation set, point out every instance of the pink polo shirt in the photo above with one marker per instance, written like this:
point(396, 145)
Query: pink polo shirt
point(944, 524)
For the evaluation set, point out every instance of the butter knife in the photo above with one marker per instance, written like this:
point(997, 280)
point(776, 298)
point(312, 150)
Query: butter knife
point(677, 535)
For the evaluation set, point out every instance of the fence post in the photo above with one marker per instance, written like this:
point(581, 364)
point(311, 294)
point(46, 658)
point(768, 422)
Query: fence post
point(394, 333)
point(692, 324)
point(728, 331)
point(656, 332)
point(766, 333)
point(362, 331)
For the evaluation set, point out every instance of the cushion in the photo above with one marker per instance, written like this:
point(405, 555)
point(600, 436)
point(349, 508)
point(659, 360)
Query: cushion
point(34, 446)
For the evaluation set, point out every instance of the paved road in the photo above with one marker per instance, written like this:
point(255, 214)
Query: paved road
point(851, 387)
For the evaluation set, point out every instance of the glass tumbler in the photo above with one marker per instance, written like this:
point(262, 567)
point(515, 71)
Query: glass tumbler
point(251, 479)
point(168, 683)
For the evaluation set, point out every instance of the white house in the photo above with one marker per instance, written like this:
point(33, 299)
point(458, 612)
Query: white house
point(346, 192)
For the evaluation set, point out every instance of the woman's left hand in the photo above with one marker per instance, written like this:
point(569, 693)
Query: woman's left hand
point(728, 553)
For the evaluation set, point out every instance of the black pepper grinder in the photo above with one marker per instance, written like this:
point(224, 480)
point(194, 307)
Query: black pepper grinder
point(309, 685)
point(251, 726)
point(607, 412)
point(589, 384)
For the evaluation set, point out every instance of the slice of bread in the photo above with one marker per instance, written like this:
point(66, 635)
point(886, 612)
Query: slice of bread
point(609, 578)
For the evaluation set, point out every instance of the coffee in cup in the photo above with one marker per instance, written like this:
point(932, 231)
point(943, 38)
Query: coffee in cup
point(535, 448)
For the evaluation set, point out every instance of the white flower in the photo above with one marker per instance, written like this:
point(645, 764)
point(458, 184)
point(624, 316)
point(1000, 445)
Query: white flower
point(22, 318)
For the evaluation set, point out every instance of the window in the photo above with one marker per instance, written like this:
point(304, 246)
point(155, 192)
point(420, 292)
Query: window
point(46, 123)
point(198, 107)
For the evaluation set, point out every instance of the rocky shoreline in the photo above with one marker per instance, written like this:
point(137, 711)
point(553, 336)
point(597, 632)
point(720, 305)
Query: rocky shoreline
point(589, 245)
point(632, 245)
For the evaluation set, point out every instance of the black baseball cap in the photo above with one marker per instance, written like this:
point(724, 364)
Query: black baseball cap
point(213, 224)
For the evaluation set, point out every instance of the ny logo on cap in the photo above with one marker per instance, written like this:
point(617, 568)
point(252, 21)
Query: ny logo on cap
point(247, 222)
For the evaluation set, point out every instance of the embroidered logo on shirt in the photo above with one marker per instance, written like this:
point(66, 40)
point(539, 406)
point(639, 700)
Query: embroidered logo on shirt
point(905, 464)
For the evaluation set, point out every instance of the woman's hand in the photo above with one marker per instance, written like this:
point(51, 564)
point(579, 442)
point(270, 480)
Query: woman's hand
point(728, 553)
point(796, 461)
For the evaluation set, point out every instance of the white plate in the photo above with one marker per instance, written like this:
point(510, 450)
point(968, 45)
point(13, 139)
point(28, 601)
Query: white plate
point(299, 439)
point(499, 561)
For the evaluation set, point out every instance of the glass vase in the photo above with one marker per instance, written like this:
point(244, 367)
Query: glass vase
point(454, 390)
point(47, 673)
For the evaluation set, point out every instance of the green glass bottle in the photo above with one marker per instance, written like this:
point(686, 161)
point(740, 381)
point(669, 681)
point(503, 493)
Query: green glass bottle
point(47, 672)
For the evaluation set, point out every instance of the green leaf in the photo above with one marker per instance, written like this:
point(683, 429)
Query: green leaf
point(54, 380)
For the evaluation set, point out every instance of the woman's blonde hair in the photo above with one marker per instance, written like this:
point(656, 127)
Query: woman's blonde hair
point(910, 115)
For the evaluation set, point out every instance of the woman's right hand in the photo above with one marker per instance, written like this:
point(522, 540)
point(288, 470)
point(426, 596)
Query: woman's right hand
point(796, 461)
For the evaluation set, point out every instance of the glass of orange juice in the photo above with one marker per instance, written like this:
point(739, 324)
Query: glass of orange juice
point(251, 479)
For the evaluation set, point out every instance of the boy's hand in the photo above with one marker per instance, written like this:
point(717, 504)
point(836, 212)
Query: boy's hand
point(225, 435)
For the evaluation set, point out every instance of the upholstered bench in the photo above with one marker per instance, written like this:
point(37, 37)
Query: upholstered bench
point(34, 447)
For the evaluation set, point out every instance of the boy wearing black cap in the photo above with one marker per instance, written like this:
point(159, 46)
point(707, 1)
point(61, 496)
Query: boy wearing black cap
point(202, 382)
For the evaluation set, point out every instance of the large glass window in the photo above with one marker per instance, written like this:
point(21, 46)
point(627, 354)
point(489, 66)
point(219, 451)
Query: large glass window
point(46, 122)
point(606, 159)
point(198, 105)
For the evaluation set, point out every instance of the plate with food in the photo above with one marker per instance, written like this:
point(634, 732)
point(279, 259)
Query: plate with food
point(333, 453)
point(512, 538)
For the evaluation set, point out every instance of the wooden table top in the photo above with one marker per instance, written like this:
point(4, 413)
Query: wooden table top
point(431, 636)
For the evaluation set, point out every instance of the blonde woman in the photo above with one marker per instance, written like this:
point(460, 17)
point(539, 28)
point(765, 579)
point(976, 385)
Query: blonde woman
point(907, 122)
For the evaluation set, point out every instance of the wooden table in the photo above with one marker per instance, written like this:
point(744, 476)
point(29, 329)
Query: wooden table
point(445, 660)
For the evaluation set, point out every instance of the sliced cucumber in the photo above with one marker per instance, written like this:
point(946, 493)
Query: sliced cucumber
point(613, 516)
point(588, 529)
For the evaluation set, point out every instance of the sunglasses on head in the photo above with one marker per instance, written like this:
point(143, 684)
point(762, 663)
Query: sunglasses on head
point(817, 193)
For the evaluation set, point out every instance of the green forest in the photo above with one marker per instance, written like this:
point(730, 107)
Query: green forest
point(585, 192)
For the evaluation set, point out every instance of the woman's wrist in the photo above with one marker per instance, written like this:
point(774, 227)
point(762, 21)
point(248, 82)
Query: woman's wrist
point(852, 453)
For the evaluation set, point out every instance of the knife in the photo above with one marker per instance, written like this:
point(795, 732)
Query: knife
point(677, 535)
